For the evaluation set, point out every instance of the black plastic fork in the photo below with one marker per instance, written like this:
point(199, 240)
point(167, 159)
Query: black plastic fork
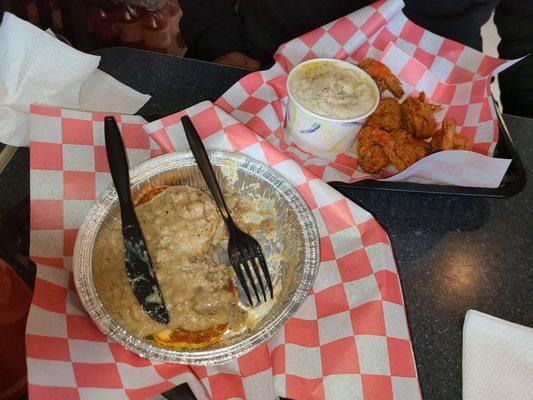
point(243, 250)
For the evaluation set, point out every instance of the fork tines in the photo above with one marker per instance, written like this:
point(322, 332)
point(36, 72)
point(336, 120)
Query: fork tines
point(245, 252)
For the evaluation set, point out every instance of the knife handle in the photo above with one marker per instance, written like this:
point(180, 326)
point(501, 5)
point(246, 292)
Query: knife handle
point(118, 165)
point(202, 159)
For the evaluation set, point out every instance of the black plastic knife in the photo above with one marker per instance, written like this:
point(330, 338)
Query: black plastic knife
point(138, 264)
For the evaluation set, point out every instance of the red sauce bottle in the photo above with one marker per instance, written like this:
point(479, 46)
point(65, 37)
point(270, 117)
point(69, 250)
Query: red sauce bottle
point(32, 12)
point(102, 23)
point(130, 26)
point(155, 32)
point(57, 19)
point(171, 10)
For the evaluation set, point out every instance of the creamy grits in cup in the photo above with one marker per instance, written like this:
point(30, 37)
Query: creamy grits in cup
point(328, 102)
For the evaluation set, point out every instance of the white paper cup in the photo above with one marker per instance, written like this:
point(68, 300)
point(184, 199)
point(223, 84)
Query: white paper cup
point(318, 135)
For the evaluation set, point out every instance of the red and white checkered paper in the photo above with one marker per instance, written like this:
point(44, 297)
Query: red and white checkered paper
point(350, 339)
point(451, 74)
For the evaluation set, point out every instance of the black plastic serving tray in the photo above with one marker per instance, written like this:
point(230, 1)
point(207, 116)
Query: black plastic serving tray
point(512, 183)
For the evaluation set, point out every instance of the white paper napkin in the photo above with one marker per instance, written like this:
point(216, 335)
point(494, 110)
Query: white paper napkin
point(103, 93)
point(497, 359)
point(37, 68)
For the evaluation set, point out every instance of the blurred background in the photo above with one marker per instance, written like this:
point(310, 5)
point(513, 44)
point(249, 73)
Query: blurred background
point(93, 24)
point(144, 24)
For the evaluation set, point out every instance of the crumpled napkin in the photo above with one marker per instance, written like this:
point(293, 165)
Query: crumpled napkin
point(37, 68)
point(497, 359)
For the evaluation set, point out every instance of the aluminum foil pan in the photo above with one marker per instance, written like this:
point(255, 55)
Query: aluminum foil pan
point(292, 258)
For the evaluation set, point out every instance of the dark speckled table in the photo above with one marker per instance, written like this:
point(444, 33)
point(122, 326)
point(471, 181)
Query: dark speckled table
point(453, 253)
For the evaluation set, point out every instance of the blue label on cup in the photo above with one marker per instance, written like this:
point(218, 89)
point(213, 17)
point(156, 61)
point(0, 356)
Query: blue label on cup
point(313, 128)
point(354, 123)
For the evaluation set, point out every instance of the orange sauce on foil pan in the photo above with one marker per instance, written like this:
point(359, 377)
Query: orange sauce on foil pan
point(180, 338)
point(150, 194)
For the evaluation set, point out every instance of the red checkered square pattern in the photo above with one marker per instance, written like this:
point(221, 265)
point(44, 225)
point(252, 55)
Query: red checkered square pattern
point(303, 354)
point(322, 339)
point(68, 357)
point(450, 74)
point(351, 334)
